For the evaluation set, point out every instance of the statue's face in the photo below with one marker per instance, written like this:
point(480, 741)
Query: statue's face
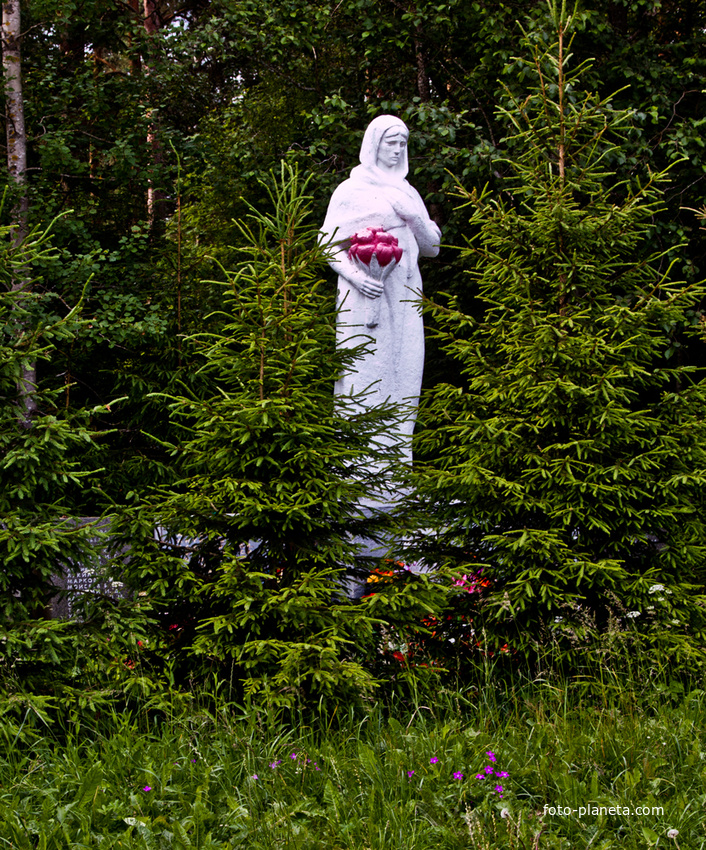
point(392, 146)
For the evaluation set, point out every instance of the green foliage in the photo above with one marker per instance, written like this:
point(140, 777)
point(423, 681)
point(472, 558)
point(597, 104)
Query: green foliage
point(258, 536)
point(41, 539)
point(36, 536)
point(569, 460)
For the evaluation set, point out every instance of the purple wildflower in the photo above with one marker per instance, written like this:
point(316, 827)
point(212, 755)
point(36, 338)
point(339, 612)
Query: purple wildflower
point(499, 789)
point(491, 755)
point(480, 776)
point(293, 756)
point(458, 775)
point(433, 760)
point(501, 774)
point(410, 774)
point(147, 789)
point(255, 776)
point(488, 769)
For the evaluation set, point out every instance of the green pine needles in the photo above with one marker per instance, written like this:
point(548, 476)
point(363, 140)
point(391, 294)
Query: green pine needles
point(259, 536)
point(44, 467)
point(570, 459)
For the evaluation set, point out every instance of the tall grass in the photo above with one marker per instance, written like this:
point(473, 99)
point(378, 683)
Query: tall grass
point(222, 776)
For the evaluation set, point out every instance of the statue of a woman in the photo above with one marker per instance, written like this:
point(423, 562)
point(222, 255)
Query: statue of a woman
point(378, 196)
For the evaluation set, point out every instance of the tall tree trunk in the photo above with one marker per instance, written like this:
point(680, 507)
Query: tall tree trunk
point(155, 198)
point(422, 76)
point(17, 171)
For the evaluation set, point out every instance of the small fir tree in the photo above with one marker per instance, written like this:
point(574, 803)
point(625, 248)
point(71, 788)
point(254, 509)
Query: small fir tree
point(259, 537)
point(567, 470)
point(36, 469)
point(41, 538)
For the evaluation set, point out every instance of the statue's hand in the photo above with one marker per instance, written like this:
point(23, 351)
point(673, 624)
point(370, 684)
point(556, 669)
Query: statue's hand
point(370, 287)
point(425, 230)
point(363, 283)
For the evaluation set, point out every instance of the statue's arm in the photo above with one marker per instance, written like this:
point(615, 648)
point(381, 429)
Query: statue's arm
point(427, 233)
point(345, 268)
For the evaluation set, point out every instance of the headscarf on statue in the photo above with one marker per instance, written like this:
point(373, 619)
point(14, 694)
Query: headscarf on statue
point(364, 200)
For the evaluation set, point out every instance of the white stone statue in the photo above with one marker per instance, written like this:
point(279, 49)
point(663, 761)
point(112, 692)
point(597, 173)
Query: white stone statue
point(378, 295)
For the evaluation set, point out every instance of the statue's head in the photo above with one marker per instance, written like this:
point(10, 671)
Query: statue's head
point(385, 145)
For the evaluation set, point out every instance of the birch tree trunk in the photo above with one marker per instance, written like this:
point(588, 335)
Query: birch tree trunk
point(17, 171)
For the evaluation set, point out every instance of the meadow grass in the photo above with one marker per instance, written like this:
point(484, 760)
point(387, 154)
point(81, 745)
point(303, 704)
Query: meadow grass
point(402, 775)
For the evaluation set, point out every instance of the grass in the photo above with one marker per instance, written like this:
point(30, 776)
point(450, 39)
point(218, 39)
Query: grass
point(230, 778)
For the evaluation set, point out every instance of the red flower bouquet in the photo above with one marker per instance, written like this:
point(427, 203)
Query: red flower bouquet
point(375, 252)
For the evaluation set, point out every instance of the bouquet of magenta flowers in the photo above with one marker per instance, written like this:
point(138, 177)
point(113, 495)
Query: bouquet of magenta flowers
point(375, 252)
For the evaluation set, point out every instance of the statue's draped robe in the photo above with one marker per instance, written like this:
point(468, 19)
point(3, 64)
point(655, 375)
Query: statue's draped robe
point(392, 370)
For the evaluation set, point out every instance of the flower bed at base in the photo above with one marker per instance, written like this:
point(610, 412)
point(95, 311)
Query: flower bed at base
point(425, 648)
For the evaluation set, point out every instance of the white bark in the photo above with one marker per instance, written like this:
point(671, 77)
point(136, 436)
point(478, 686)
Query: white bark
point(17, 167)
point(15, 114)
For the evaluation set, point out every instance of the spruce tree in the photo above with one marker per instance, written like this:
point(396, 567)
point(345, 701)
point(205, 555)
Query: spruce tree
point(257, 540)
point(44, 467)
point(568, 464)
point(36, 468)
